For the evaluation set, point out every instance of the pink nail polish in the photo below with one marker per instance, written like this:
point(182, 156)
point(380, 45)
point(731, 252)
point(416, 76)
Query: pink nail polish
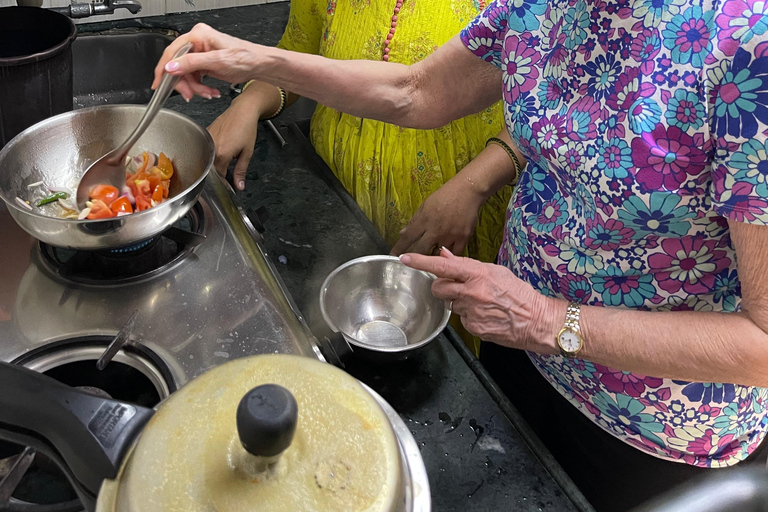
point(405, 259)
point(207, 96)
point(172, 66)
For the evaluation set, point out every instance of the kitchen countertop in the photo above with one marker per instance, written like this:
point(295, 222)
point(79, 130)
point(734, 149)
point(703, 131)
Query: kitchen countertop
point(479, 453)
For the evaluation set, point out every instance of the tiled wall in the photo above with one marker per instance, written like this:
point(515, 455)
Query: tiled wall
point(153, 7)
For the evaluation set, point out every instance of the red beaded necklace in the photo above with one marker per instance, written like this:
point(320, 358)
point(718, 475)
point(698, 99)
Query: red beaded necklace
point(393, 25)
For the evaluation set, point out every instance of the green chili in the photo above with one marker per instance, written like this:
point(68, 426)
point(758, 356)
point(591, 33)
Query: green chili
point(52, 198)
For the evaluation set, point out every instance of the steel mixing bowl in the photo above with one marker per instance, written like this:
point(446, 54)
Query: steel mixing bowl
point(380, 305)
point(57, 151)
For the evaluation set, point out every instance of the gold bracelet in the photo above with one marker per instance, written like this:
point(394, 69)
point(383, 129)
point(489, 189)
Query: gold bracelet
point(512, 155)
point(249, 82)
point(281, 108)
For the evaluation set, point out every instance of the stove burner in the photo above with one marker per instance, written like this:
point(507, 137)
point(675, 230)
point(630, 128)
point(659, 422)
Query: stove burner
point(134, 377)
point(132, 248)
point(127, 263)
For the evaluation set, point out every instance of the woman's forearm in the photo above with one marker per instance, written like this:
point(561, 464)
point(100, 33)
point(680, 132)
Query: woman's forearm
point(420, 96)
point(683, 345)
point(362, 88)
point(493, 168)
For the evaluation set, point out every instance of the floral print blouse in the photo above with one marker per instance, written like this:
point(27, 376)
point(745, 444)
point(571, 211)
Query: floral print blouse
point(644, 123)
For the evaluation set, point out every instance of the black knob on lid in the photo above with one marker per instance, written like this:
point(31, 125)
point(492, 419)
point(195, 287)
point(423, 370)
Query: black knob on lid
point(266, 420)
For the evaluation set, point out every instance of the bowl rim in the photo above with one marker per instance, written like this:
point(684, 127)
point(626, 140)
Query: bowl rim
point(10, 202)
point(332, 325)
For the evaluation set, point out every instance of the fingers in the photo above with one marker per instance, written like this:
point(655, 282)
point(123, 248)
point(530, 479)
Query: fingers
point(424, 245)
point(449, 266)
point(201, 36)
point(221, 162)
point(458, 246)
point(447, 289)
point(241, 167)
point(408, 237)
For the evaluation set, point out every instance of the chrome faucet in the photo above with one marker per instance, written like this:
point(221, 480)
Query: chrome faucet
point(84, 10)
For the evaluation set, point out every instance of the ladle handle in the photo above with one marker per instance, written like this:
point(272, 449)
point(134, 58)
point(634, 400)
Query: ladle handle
point(86, 435)
point(164, 90)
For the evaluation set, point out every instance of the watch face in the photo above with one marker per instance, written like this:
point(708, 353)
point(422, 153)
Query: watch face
point(569, 340)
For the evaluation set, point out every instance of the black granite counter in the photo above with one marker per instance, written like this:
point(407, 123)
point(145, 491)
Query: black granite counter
point(480, 455)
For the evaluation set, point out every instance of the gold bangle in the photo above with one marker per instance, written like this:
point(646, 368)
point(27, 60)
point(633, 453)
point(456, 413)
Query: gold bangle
point(281, 108)
point(249, 82)
point(512, 155)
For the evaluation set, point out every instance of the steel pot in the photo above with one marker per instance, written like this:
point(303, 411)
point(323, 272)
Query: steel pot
point(36, 66)
point(269, 432)
point(57, 151)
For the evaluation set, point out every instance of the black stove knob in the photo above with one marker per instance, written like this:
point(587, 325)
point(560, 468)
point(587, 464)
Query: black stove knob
point(266, 420)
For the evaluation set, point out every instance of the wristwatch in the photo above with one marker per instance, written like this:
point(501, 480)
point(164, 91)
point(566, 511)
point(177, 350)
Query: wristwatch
point(569, 338)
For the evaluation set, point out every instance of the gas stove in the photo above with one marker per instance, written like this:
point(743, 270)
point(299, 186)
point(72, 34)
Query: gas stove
point(186, 301)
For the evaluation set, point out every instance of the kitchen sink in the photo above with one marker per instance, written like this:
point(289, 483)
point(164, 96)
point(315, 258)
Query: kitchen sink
point(116, 66)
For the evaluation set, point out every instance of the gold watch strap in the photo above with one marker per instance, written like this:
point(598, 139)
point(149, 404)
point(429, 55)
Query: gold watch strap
point(572, 316)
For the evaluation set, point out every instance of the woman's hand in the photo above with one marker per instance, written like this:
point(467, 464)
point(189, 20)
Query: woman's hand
point(215, 54)
point(234, 132)
point(493, 303)
point(447, 217)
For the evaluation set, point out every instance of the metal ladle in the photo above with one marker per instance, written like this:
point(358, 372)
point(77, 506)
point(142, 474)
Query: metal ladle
point(110, 168)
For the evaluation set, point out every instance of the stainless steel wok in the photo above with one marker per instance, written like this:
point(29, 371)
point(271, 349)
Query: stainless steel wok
point(57, 151)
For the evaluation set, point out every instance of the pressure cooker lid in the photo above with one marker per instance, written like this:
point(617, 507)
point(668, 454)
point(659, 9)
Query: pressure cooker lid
point(306, 437)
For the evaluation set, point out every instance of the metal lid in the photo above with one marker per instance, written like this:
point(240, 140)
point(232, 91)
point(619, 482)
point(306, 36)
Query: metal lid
point(343, 457)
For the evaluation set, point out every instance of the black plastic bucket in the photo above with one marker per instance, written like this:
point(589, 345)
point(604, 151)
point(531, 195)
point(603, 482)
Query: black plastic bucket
point(35, 67)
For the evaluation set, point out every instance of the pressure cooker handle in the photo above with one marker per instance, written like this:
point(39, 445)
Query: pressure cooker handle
point(266, 420)
point(87, 435)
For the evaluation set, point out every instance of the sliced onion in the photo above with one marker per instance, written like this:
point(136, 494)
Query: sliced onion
point(126, 192)
point(68, 205)
point(23, 203)
point(120, 214)
point(35, 184)
point(134, 164)
point(83, 214)
point(152, 160)
point(153, 203)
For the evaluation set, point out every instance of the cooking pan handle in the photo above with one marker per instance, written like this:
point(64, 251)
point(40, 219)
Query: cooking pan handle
point(88, 436)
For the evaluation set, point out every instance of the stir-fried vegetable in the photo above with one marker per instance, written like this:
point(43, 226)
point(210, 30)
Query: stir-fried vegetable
point(52, 198)
point(146, 186)
point(106, 193)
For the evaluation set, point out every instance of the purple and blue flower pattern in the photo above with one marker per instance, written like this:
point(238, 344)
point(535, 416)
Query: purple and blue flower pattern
point(645, 125)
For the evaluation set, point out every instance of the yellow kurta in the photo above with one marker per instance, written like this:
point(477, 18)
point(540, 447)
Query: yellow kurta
point(387, 169)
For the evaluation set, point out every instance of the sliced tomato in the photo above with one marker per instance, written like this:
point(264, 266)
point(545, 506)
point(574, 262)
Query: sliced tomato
point(165, 166)
point(100, 210)
point(154, 180)
point(144, 164)
point(122, 204)
point(143, 203)
point(166, 187)
point(157, 194)
point(105, 193)
point(143, 188)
